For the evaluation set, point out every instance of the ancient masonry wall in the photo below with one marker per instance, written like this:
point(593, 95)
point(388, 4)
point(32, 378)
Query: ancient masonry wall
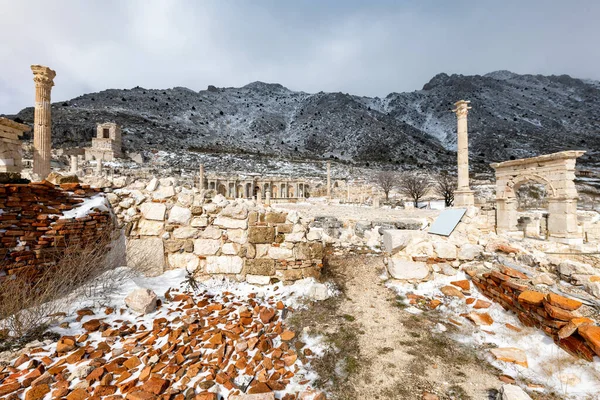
point(31, 227)
point(234, 239)
point(556, 315)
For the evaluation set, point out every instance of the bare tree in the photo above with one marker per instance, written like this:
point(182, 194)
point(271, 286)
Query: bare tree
point(386, 181)
point(415, 186)
point(444, 186)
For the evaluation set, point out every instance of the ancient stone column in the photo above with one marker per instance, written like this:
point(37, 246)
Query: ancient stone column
point(74, 165)
point(42, 125)
point(463, 196)
point(201, 178)
point(268, 198)
point(328, 180)
point(99, 167)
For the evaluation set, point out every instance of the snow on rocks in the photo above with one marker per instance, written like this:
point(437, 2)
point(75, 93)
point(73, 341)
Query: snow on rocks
point(224, 341)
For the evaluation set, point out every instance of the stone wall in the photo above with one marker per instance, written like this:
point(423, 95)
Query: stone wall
point(35, 220)
point(559, 317)
point(239, 239)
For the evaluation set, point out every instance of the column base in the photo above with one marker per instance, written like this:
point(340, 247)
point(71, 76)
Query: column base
point(464, 198)
point(564, 240)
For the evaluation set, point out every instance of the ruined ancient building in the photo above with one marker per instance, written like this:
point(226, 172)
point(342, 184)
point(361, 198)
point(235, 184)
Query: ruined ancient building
point(106, 146)
point(10, 145)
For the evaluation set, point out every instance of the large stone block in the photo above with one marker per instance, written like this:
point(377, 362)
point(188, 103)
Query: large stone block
point(206, 247)
point(276, 217)
point(258, 279)
point(199, 222)
point(445, 250)
point(142, 301)
point(163, 193)
point(153, 211)
point(235, 211)
point(280, 253)
point(230, 223)
point(184, 232)
point(289, 274)
point(150, 228)
point(180, 215)
point(239, 236)
point(188, 261)
point(146, 255)
point(260, 266)
point(211, 232)
point(396, 239)
point(308, 251)
point(261, 234)
point(407, 270)
point(231, 248)
point(224, 264)
point(469, 251)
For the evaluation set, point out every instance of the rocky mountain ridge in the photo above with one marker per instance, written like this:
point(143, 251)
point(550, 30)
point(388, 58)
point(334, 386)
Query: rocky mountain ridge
point(513, 116)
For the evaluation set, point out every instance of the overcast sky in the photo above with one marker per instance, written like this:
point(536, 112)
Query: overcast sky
point(365, 47)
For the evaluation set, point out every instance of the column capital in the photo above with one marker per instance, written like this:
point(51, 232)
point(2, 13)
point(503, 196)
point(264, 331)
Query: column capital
point(43, 76)
point(462, 108)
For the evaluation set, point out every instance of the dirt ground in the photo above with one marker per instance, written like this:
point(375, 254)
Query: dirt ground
point(384, 351)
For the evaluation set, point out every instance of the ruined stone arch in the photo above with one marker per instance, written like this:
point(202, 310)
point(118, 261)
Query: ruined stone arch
point(557, 173)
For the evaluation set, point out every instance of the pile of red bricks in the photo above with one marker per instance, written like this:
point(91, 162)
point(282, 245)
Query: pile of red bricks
point(197, 346)
point(31, 229)
point(554, 314)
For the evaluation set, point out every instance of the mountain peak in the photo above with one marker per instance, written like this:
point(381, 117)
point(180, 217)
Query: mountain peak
point(258, 85)
point(502, 75)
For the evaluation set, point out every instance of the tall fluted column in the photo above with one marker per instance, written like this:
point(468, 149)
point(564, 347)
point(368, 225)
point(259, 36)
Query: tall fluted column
point(42, 127)
point(201, 182)
point(328, 180)
point(463, 196)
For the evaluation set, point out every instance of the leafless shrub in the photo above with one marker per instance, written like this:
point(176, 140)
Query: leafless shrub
point(415, 186)
point(386, 180)
point(444, 186)
point(32, 299)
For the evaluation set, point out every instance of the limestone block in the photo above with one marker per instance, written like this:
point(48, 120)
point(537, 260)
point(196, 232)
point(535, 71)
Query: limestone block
point(184, 232)
point(238, 235)
point(407, 270)
point(211, 232)
point(142, 301)
point(164, 192)
point(260, 266)
point(285, 228)
point(261, 234)
point(199, 222)
point(187, 261)
point(250, 250)
point(262, 250)
point(150, 228)
point(185, 199)
point(180, 215)
point(231, 248)
point(258, 279)
point(276, 217)
point(445, 250)
point(469, 251)
point(206, 247)
point(280, 253)
point(396, 239)
point(172, 246)
point(224, 264)
point(235, 211)
point(146, 255)
point(230, 223)
point(317, 250)
point(289, 274)
point(568, 267)
point(165, 182)
point(314, 234)
point(417, 247)
point(294, 237)
point(302, 251)
point(138, 196)
point(152, 185)
point(153, 211)
point(512, 392)
point(126, 203)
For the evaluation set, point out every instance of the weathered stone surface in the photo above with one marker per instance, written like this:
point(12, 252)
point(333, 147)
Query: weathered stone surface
point(206, 247)
point(184, 232)
point(258, 279)
point(572, 326)
point(235, 211)
point(531, 297)
point(164, 192)
point(469, 251)
point(230, 223)
point(261, 234)
point(563, 302)
point(199, 222)
point(591, 334)
point(451, 291)
point(480, 318)
point(150, 228)
point(231, 249)
point(211, 232)
point(445, 250)
point(224, 264)
point(396, 240)
point(512, 392)
point(188, 261)
point(153, 211)
point(180, 215)
point(276, 217)
point(280, 253)
point(510, 354)
point(239, 236)
point(141, 300)
point(407, 270)
point(260, 266)
point(152, 185)
point(569, 268)
point(146, 255)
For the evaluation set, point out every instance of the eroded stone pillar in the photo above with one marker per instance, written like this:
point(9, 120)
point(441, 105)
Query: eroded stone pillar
point(99, 167)
point(201, 177)
point(463, 196)
point(74, 165)
point(42, 125)
point(268, 198)
point(506, 215)
point(328, 180)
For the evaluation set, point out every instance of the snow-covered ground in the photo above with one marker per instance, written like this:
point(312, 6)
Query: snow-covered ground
point(548, 365)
